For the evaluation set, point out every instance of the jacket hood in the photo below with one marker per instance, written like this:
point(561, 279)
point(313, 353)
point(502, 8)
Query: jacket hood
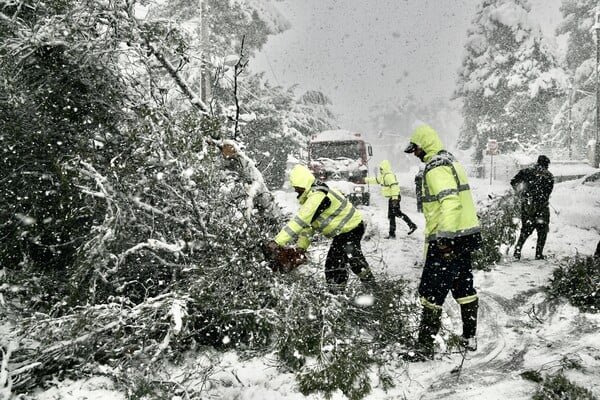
point(385, 167)
point(427, 138)
point(300, 176)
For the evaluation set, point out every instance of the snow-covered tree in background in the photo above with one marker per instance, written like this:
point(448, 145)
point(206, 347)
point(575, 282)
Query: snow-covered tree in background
point(64, 96)
point(280, 125)
point(507, 79)
point(575, 121)
point(219, 38)
point(395, 116)
point(312, 113)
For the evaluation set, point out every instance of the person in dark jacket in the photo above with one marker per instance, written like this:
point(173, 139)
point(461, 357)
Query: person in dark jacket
point(534, 185)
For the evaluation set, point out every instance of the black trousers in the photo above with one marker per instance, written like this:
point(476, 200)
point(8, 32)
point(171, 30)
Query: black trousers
point(346, 250)
point(442, 275)
point(394, 212)
point(534, 219)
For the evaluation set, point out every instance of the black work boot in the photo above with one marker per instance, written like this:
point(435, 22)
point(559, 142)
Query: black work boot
point(517, 253)
point(519, 245)
point(411, 225)
point(431, 321)
point(335, 288)
point(368, 280)
point(468, 313)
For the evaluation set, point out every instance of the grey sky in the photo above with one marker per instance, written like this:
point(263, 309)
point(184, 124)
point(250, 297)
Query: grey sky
point(360, 52)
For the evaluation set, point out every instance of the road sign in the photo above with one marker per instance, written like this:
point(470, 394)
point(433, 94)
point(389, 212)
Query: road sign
point(492, 149)
point(492, 146)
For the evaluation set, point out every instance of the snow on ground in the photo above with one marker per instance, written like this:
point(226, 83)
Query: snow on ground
point(518, 329)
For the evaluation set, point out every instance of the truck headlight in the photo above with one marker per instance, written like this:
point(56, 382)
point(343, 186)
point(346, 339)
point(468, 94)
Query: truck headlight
point(359, 189)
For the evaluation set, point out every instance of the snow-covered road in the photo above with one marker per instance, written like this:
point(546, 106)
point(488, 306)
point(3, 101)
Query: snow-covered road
point(519, 329)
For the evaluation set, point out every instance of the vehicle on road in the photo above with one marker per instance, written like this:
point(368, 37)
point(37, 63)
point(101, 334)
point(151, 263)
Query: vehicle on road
point(340, 158)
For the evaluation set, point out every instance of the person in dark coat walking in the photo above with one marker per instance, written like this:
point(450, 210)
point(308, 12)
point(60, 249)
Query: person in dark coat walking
point(534, 185)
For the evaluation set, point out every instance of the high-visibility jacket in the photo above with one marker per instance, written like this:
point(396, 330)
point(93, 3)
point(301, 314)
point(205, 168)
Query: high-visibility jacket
point(447, 201)
point(322, 209)
point(387, 179)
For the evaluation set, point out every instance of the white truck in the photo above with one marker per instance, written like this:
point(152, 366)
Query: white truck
point(340, 159)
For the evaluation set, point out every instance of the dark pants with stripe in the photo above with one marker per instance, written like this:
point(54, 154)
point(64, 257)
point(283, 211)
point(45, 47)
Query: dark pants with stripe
point(446, 274)
point(345, 251)
point(443, 274)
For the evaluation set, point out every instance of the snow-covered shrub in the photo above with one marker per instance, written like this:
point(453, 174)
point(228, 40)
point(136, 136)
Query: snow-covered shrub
point(498, 229)
point(578, 280)
point(345, 367)
point(558, 387)
point(347, 337)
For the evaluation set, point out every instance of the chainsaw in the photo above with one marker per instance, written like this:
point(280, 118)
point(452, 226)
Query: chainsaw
point(284, 259)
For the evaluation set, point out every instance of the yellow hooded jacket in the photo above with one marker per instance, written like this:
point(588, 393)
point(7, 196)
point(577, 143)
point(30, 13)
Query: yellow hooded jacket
point(339, 217)
point(387, 180)
point(448, 205)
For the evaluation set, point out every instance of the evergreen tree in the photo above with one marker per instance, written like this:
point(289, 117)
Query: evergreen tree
point(63, 97)
point(575, 121)
point(314, 109)
point(281, 125)
point(86, 83)
point(507, 78)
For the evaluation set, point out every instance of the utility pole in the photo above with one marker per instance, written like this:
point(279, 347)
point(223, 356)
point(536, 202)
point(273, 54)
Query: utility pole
point(570, 121)
point(205, 78)
point(596, 163)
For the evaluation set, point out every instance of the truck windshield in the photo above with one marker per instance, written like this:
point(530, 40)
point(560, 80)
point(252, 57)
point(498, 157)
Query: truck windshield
point(333, 150)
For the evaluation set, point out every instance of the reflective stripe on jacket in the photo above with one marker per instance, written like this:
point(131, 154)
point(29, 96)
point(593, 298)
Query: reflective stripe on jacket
point(339, 217)
point(387, 180)
point(448, 204)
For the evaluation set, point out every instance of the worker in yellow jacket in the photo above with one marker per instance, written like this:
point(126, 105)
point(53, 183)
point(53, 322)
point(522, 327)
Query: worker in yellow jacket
point(391, 190)
point(452, 233)
point(326, 210)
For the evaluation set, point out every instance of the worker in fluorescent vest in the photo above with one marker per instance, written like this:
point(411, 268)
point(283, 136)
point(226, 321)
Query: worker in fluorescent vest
point(326, 210)
point(452, 233)
point(391, 190)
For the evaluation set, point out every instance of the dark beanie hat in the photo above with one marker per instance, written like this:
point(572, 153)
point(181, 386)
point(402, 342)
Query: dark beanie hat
point(543, 161)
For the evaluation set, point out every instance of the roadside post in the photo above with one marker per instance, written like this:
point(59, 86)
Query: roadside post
point(492, 149)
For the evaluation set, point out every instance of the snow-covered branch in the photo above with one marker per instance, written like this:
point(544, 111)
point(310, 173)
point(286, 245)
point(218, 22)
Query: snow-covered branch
point(257, 191)
point(187, 90)
point(6, 381)
point(155, 244)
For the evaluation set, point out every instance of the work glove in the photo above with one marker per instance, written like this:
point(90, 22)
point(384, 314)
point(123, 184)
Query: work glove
point(271, 250)
point(272, 246)
point(291, 258)
point(300, 256)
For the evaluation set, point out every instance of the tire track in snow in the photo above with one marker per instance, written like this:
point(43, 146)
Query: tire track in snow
point(500, 353)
